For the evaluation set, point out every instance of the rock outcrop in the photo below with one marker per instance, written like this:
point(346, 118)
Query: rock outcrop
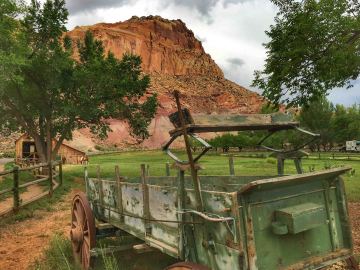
point(166, 47)
point(174, 59)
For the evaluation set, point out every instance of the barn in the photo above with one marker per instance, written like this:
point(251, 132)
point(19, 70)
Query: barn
point(25, 152)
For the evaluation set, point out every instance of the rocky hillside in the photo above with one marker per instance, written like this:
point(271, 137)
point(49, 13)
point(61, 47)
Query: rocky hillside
point(166, 47)
point(175, 59)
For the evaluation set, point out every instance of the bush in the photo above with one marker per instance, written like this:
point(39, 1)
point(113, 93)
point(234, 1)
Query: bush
point(271, 160)
point(9, 154)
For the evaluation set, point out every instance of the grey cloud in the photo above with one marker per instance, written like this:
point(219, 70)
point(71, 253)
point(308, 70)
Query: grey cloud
point(227, 2)
point(236, 61)
point(78, 6)
point(202, 6)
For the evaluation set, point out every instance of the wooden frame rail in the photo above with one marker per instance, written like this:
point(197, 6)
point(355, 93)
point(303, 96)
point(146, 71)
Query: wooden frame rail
point(54, 178)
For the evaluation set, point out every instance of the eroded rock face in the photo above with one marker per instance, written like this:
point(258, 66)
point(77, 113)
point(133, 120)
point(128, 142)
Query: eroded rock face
point(175, 60)
point(165, 46)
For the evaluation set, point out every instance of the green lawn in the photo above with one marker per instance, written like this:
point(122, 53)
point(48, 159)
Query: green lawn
point(214, 164)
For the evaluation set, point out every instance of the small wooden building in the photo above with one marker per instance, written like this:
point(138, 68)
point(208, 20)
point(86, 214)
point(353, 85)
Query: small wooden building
point(25, 152)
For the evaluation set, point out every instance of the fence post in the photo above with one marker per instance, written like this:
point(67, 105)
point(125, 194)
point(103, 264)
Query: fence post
point(51, 187)
point(16, 198)
point(86, 176)
point(60, 174)
point(167, 166)
point(231, 165)
point(147, 170)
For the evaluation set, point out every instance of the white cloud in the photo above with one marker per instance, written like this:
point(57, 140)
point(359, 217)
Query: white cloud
point(346, 97)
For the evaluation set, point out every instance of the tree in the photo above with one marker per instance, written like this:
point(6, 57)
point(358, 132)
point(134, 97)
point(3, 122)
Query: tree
point(346, 123)
point(11, 54)
point(314, 46)
point(317, 117)
point(56, 94)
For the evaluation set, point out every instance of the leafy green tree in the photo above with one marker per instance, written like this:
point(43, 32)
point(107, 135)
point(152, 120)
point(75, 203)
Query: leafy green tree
point(268, 107)
point(314, 47)
point(317, 117)
point(346, 123)
point(11, 54)
point(54, 94)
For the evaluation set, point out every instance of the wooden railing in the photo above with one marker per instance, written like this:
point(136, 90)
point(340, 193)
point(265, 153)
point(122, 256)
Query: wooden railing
point(50, 177)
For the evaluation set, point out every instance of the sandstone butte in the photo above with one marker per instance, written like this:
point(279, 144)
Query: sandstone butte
point(174, 59)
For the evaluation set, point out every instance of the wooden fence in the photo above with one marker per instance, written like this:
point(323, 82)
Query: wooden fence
point(51, 176)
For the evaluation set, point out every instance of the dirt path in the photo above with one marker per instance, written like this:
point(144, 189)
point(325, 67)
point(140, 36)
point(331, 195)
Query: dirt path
point(23, 243)
point(354, 212)
point(31, 192)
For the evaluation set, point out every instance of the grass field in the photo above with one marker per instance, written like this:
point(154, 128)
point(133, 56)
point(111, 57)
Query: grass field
point(214, 164)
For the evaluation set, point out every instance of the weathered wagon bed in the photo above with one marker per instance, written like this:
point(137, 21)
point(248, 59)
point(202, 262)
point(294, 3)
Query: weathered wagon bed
point(251, 222)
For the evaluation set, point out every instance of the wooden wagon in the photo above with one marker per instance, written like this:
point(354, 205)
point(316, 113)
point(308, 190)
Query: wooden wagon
point(222, 222)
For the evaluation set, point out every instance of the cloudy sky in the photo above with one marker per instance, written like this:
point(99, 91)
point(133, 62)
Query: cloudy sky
point(232, 31)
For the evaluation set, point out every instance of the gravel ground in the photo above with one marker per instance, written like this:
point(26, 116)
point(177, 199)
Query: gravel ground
point(354, 212)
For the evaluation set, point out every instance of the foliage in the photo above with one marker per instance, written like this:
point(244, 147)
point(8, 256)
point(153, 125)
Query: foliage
point(335, 124)
point(49, 94)
point(346, 123)
point(317, 117)
point(228, 140)
point(11, 53)
point(268, 107)
point(313, 47)
point(109, 260)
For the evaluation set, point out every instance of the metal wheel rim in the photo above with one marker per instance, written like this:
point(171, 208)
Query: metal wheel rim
point(83, 230)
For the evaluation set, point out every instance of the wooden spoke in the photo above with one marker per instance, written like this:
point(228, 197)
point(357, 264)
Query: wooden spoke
point(83, 230)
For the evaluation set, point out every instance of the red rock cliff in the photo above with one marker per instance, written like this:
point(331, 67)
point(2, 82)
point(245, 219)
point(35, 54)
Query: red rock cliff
point(175, 59)
point(166, 47)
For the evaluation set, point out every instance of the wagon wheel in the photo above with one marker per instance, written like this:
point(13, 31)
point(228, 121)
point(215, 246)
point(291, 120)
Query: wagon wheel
point(83, 230)
point(186, 266)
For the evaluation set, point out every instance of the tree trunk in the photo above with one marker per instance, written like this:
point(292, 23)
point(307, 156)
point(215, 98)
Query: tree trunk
point(39, 143)
point(48, 142)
